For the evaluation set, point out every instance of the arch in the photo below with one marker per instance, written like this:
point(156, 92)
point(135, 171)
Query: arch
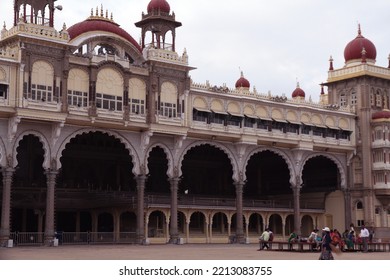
point(217, 105)
point(277, 152)
point(78, 79)
point(343, 123)
point(169, 92)
point(45, 145)
point(316, 119)
point(249, 110)
point(256, 223)
point(137, 89)
point(292, 116)
point(235, 176)
point(307, 225)
point(343, 178)
point(262, 112)
point(305, 118)
point(329, 121)
point(168, 153)
point(234, 107)
point(109, 81)
point(42, 73)
point(132, 151)
point(275, 223)
point(277, 114)
point(200, 103)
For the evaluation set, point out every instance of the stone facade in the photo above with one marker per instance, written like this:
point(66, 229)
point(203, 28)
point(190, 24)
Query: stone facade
point(102, 136)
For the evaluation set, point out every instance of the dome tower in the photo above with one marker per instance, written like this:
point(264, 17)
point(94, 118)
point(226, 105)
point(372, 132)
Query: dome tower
point(359, 50)
point(158, 21)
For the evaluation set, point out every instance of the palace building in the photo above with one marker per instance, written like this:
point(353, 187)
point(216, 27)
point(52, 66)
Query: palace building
point(107, 140)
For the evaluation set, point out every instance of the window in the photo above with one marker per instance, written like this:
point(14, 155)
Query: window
point(249, 122)
point(42, 93)
point(168, 109)
point(359, 205)
point(343, 100)
point(218, 118)
point(109, 102)
point(77, 98)
point(3, 91)
point(137, 106)
point(378, 100)
point(234, 120)
point(200, 116)
point(353, 99)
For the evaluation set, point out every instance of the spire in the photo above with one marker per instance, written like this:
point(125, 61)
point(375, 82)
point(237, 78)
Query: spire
point(331, 64)
point(389, 61)
point(359, 30)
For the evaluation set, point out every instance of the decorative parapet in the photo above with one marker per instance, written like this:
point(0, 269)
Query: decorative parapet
point(34, 30)
point(358, 70)
point(266, 97)
point(166, 56)
point(9, 53)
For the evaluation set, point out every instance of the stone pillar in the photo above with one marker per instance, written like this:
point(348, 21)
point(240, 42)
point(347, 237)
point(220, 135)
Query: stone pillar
point(348, 208)
point(6, 205)
point(51, 176)
point(140, 208)
point(297, 209)
point(239, 213)
point(174, 233)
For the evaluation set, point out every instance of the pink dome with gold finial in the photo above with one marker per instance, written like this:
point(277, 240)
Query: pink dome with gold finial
point(161, 5)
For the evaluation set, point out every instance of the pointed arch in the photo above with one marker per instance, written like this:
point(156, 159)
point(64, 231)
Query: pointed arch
point(132, 151)
point(45, 145)
point(233, 161)
point(168, 153)
point(287, 160)
point(339, 165)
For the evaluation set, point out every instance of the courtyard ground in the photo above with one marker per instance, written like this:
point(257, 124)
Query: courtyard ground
point(171, 252)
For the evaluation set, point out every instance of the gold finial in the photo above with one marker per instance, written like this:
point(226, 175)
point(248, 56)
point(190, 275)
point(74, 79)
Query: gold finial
point(101, 10)
point(91, 12)
point(107, 13)
point(97, 11)
point(112, 17)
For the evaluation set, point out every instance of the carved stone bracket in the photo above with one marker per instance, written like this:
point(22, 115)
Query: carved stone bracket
point(179, 142)
point(56, 131)
point(13, 127)
point(145, 139)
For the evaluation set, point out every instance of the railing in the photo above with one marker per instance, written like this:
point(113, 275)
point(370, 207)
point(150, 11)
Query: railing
point(27, 238)
point(74, 238)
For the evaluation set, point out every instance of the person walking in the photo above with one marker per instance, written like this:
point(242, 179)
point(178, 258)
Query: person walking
point(364, 234)
point(264, 238)
point(326, 250)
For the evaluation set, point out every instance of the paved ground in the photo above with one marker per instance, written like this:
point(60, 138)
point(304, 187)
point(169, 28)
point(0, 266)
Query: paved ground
point(170, 252)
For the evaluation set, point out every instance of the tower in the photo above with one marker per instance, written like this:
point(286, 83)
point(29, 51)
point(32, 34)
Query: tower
point(159, 22)
point(40, 12)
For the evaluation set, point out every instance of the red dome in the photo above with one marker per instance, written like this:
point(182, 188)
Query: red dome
point(242, 82)
point(100, 25)
point(161, 5)
point(354, 48)
point(385, 114)
point(298, 92)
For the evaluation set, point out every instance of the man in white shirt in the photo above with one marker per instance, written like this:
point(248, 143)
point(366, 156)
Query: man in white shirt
point(364, 234)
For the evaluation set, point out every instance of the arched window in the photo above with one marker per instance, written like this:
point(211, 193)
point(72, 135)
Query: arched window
point(359, 205)
point(109, 90)
point(168, 100)
point(78, 88)
point(137, 96)
point(42, 83)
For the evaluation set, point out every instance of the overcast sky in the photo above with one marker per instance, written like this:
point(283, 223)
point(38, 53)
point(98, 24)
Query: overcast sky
point(275, 43)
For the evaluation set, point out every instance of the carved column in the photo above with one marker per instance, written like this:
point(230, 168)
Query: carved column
point(6, 205)
point(239, 212)
point(51, 176)
point(348, 208)
point(297, 208)
point(140, 208)
point(174, 233)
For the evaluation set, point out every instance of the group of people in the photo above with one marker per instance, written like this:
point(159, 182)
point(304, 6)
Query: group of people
point(330, 240)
